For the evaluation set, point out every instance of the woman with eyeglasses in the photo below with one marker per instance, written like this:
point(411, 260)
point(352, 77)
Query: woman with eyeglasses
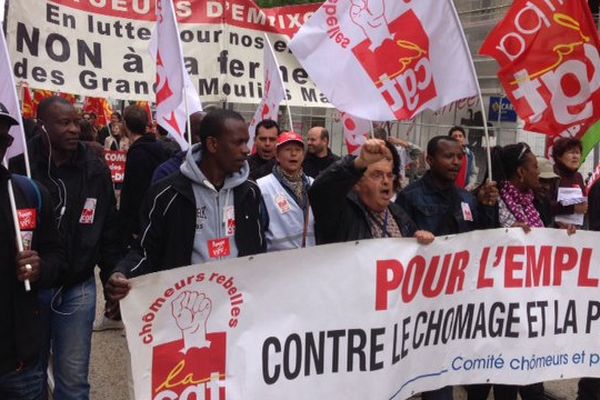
point(566, 153)
point(515, 168)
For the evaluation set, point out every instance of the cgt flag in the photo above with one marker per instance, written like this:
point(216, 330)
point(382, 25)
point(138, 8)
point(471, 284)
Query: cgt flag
point(274, 91)
point(172, 79)
point(356, 132)
point(550, 65)
point(385, 60)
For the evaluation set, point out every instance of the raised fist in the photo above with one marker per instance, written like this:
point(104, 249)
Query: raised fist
point(374, 150)
point(369, 15)
point(191, 311)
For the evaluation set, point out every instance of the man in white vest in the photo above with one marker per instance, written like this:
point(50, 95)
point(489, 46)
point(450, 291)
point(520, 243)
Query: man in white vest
point(285, 193)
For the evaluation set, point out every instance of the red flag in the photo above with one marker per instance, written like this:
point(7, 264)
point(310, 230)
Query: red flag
point(549, 64)
point(28, 105)
point(100, 107)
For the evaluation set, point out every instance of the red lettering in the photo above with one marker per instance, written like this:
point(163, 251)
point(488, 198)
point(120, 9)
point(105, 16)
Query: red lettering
point(565, 259)
point(414, 273)
point(482, 281)
point(584, 270)
point(512, 265)
point(456, 281)
point(428, 288)
point(538, 267)
point(385, 282)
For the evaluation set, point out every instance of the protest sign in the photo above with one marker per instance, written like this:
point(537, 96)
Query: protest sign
point(100, 48)
point(116, 160)
point(376, 319)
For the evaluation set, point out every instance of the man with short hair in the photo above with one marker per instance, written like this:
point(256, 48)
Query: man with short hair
point(265, 138)
point(285, 191)
point(144, 155)
point(208, 211)
point(42, 263)
point(82, 195)
point(437, 205)
point(319, 155)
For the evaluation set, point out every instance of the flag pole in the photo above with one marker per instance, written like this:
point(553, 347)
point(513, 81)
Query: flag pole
point(372, 130)
point(474, 72)
point(187, 114)
point(287, 104)
point(15, 217)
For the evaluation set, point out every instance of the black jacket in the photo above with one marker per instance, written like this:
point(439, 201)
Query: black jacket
point(314, 165)
point(22, 346)
point(83, 177)
point(168, 223)
point(143, 157)
point(594, 207)
point(259, 167)
point(339, 215)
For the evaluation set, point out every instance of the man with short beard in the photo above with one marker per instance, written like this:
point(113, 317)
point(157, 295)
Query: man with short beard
point(319, 155)
point(262, 162)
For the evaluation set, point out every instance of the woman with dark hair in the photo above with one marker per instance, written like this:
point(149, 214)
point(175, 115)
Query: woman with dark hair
point(566, 153)
point(515, 168)
point(467, 176)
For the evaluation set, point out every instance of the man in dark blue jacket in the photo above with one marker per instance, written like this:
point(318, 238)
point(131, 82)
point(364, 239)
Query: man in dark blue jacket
point(437, 205)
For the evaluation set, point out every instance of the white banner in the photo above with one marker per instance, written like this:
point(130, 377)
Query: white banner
point(385, 60)
point(100, 48)
point(376, 319)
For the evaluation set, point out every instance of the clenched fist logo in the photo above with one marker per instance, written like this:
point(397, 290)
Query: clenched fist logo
point(369, 15)
point(191, 311)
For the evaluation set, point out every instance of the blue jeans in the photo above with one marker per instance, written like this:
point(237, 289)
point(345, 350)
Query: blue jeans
point(70, 313)
point(26, 384)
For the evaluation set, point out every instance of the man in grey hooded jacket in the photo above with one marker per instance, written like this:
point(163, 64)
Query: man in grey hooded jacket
point(207, 211)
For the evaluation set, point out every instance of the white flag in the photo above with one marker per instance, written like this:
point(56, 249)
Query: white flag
point(356, 132)
point(385, 60)
point(8, 97)
point(171, 76)
point(274, 91)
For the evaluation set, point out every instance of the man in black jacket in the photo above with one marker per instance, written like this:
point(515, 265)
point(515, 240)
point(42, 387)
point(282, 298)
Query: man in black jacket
point(319, 155)
point(144, 155)
point(182, 214)
point(265, 138)
point(42, 263)
point(82, 195)
point(352, 199)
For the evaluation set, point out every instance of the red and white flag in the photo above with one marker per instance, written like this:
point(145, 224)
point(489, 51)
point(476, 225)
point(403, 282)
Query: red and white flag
point(172, 79)
point(385, 60)
point(549, 65)
point(356, 132)
point(274, 91)
point(8, 97)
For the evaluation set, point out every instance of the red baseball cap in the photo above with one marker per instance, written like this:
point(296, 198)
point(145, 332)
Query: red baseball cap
point(290, 136)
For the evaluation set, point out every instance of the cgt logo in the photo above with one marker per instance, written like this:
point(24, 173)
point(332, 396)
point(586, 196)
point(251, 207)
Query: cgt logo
point(395, 55)
point(193, 367)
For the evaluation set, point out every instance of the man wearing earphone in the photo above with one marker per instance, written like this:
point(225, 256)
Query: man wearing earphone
point(41, 263)
point(82, 195)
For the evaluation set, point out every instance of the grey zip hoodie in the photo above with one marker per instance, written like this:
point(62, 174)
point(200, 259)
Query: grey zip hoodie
point(215, 216)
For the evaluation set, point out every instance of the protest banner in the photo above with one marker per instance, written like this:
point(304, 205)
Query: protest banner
point(376, 319)
point(549, 67)
point(116, 160)
point(100, 48)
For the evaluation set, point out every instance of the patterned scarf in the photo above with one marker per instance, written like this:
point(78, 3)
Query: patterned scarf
point(383, 225)
point(294, 182)
point(521, 205)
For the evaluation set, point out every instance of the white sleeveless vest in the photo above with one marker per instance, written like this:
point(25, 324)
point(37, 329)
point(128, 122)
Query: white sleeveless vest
point(286, 219)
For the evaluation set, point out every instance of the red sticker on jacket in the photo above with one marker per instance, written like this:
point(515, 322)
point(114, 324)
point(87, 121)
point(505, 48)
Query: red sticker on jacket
point(219, 248)
point(27, 219)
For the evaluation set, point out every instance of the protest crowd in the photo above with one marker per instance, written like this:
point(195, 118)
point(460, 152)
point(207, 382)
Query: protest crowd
point(219, 191)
